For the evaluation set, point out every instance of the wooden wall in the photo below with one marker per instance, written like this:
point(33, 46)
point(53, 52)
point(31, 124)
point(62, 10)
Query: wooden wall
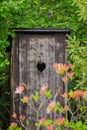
point(29, 50)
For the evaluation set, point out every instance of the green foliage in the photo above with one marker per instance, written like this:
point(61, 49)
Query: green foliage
point(47, 123)
point(78, 126)
point(52, 108)
point(51, 13)
point(48, 93)
point(35, 97)
point(14, 128)
point(58, 128)
point(77, 46)
point(37, 124)
point(77, 55)
point(82, 6)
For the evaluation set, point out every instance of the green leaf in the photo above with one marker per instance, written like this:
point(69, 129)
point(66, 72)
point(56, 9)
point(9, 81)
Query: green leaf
point(47, 123)
point(66, 123)
point(56, 107)
point(48, 93)
point(58, 128)
point(35, 96)
point(37, 124)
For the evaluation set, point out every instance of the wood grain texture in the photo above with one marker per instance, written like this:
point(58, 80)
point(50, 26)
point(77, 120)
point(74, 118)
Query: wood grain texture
point(27, 51)
point(14, 72)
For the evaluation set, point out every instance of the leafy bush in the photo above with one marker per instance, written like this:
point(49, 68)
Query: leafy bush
point(44, 98)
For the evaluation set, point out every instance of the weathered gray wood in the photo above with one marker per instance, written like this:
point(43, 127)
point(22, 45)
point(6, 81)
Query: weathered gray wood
point(22, 68)
point(27, 51)
point(14, 72)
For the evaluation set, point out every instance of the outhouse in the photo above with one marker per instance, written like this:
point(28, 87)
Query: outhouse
point(33, 53)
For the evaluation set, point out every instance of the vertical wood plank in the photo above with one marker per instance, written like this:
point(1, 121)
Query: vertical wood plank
point(27, 51)
point(22, 68)
point(15, 72)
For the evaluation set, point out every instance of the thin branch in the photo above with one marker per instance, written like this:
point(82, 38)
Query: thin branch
point(79, 116)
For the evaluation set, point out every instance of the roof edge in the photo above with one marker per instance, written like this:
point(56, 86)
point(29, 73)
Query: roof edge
point(43, 30)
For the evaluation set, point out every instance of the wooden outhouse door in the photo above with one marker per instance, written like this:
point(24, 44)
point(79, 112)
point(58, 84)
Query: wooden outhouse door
point(34, 51)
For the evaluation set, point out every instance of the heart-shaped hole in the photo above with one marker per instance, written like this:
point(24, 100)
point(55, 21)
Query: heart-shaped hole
point(41, 66)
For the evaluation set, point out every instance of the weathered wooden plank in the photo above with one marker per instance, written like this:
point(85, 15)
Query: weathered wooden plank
point(31, 77)
point(22, 68)
point(28, 50)
point(60, 48)
point(15, 73)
